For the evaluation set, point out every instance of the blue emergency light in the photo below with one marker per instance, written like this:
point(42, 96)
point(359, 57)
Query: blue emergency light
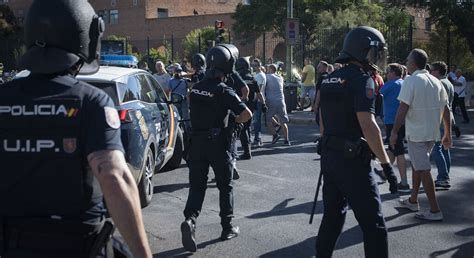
point(119, 60)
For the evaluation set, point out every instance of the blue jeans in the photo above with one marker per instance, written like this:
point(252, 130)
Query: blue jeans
point(257, 121)
point(442, 158)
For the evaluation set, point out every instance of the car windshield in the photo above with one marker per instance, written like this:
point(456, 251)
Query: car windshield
point(109, 88)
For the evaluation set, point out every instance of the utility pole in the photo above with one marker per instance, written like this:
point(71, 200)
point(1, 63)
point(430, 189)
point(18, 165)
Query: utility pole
point(289, 48)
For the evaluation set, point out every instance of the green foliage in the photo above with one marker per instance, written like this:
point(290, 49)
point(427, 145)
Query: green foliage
point(8, 22)
point(263, 15)
point(191, 41)
point(455, 12)
point(460, 55)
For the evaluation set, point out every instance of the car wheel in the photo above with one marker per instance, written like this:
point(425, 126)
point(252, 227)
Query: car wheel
point(175, 160)
point(145, 187)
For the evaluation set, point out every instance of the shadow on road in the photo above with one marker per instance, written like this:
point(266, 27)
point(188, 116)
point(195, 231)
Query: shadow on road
point(169, 188)
point(303, 249)
point(463, 250)
point(282, 209)
point(180, 252)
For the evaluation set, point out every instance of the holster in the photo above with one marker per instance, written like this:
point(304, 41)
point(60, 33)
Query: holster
point(357, 148)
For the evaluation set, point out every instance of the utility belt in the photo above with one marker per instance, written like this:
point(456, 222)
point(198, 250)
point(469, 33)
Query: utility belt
point(356, 148)
point(54, 235)
point(211, 134)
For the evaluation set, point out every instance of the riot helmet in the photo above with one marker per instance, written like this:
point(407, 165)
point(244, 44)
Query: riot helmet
point(60, 34)
point(365, 45)
point(219, 59)
point(198, 61)
point(242, 65)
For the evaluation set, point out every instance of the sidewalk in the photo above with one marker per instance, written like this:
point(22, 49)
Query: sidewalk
point(302, 117)
point(307, 117)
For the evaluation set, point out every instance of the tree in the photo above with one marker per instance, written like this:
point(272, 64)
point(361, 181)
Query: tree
point(11, 38)
point(191, 41)
point(269, 15)
point(456, 12)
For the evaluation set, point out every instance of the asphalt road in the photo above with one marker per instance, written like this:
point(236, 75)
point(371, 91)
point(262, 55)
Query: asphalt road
point(273, 200)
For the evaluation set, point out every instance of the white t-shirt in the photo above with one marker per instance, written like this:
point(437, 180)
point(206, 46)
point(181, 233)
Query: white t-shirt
point(273, 89)
point(261, 79)
point(163, 80)
point(460, 86)
point(427, 98)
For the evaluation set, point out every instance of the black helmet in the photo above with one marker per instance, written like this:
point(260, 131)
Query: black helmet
point(220, 58)
point(242, 65)
point(198, 61)
point(59, 34)
point(366, 45)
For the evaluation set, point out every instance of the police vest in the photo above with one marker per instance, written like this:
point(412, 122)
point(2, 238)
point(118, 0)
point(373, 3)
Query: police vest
point(43, 167)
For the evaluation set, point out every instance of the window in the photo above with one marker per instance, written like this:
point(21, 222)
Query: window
point(135, 2)
point(113, 2)
point(113, 16)
point(130, 91)
point(156, 86)
point(162, 12)
point(103, 14)
point(147, 94)
point(428, 24)
point(109, 88)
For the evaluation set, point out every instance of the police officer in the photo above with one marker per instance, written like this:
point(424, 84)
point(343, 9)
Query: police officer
point(198, 63)
point(242, 66)
point(239, 86)
point(61, 152)
point(211, 101)
point(349, 134)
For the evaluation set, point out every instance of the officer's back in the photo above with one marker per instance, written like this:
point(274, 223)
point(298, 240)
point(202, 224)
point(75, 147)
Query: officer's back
point(60, 146)
point(340, 107)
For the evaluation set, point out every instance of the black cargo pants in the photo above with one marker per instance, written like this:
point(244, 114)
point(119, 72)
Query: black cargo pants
point(205, 152)
point(350, 181)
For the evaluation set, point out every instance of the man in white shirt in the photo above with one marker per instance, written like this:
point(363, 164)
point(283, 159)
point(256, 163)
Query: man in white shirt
point(162, 77)
point(273, 92)
point(460, 94)
point(423, 104)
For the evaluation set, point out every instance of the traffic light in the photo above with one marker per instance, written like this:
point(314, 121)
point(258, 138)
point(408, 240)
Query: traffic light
point(219, 30)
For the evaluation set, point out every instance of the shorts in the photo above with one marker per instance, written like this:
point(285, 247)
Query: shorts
point(399, 148)
point(311, 90)
point(419, 153)
point(278, 109)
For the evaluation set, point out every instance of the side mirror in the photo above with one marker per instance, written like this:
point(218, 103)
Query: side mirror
point(176, 98)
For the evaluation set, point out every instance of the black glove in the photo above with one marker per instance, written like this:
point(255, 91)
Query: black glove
point(264, 108)
point(391, 178)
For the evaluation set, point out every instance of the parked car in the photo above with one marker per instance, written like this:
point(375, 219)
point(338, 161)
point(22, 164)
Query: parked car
point(150, 132)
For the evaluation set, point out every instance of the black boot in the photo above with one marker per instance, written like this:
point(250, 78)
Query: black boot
point(188, 230)
point(245, 156)
point(229, 232)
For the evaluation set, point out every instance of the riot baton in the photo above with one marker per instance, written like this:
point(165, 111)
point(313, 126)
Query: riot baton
point(316, 197)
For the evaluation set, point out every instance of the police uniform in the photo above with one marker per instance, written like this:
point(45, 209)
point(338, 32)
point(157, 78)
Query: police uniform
point(345, 163)
point(197, 76)
point(235, 81)
point(51, 202)
point(210, 102)
point(251, 104)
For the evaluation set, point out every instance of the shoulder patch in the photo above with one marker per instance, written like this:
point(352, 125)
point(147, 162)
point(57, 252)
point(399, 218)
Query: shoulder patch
point(370, 88)
point(111, 117)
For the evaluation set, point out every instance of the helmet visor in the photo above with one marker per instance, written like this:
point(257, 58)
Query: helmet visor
point(377, 57)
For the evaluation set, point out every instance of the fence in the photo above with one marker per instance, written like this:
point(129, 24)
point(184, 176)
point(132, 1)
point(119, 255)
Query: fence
point(325, 44)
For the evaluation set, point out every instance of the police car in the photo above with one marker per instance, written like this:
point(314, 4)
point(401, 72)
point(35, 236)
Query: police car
point(150, 132)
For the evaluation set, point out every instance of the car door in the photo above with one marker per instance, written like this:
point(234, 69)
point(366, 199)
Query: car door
point(166, 111)
point(148, 98)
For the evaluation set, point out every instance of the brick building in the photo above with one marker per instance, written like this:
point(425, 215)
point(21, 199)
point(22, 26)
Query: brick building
point(150, 23)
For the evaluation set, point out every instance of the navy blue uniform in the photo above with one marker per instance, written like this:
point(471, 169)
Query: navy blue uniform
point(348, 179)
point(235, 82)
point(253, 90)
point(210, 102)
point(50, 124)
